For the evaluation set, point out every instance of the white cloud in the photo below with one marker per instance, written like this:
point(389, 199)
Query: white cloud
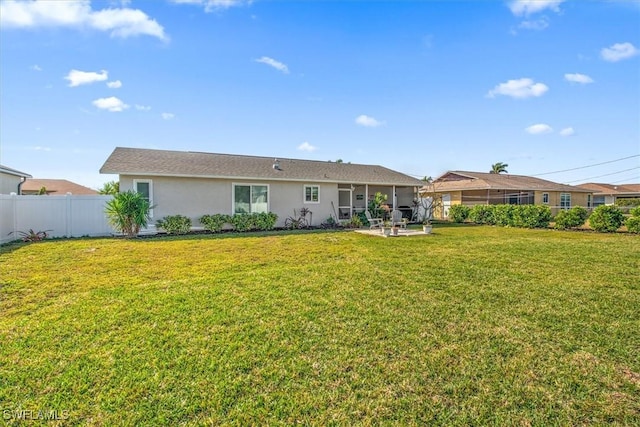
point(273, 63)
point(142, 107)
point(618, 52)
point(538, 129)
point(364, 120)
point(211, 5)
point(114, 85)
point(119, 22)
point(112, 104)
point(167, 116)
point(529, 7)
point(520, 88)
point(567, 131)
point(578, 78)
point(305, 146)
point(77, 77)
point(35, 68)
point(537, 25)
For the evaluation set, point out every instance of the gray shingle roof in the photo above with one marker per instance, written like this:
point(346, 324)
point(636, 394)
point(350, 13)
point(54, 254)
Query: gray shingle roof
point(617, 189)
point(10, 171)
point(463, 180)
point(138, 161)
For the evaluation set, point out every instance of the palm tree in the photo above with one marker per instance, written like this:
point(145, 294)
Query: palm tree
point(128, 212)
point(499, 168)
point(111, 187)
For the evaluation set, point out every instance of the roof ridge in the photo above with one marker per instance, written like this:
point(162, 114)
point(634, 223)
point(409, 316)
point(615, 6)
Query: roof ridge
point(253, 156)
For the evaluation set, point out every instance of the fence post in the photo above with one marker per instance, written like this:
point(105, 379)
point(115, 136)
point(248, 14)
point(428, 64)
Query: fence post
point(68, 214)
point(14, 201)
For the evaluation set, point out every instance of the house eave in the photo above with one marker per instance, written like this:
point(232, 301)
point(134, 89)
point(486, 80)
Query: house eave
point(490, 188)
point(253, 178)
point(14, 172)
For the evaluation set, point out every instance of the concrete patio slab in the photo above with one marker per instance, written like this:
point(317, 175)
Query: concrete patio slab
point(401, 233)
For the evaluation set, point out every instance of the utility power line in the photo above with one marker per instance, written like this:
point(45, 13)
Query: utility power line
point(600, 176)
point(626, 180)
point(588, 166)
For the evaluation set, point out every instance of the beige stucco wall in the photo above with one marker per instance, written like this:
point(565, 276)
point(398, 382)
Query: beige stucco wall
point(194, 197)
point(577, 199)
point(9, 183)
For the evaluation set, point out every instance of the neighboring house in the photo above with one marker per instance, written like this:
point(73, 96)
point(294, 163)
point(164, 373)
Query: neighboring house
point(607, 194)
point(55, 187)
point(11, 180)
point(196, 183)
point(479, 188)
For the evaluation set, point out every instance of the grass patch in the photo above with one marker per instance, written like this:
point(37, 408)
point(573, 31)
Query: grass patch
point(471, 325)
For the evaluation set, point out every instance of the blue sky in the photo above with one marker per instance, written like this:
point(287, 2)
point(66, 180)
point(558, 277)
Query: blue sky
point(421, 87)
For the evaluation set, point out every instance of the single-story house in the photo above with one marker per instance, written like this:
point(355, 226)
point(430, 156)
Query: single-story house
point(11, 180)
point(480, 188)
point(607, 194)
point(55, 187)
point(196, 183)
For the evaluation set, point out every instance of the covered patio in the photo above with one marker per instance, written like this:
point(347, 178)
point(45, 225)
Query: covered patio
point(354, 199)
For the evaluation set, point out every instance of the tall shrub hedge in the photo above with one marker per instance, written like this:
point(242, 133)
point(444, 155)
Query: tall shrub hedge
point(633, 223)
point(459, 213)
point(606, 219)
point(572, 218)
point(482, 214)
point(523, 216)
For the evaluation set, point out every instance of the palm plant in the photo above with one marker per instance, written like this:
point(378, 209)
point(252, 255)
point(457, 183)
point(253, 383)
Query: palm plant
point(128, 212)
point(499, 168)
point(110, 188)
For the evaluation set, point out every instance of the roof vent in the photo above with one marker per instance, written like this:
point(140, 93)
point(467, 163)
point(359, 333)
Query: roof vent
point(276, 164)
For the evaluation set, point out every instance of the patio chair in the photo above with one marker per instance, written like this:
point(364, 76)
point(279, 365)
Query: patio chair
point(373, 222)
point(397, 220)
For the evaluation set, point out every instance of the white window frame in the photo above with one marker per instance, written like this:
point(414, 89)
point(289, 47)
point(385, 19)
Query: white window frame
point(304, 194)
point(563, 203)
point(545, 198)
point(145, 181)
point(248, 184)
point(589, 201)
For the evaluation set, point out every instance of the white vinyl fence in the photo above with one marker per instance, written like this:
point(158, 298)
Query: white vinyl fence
point(60, 216)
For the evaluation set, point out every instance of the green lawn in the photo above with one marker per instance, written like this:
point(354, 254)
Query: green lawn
point(468, 326)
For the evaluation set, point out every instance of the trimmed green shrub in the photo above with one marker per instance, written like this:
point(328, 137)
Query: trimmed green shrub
point(482, 214)
point(633, 224)
point(628, 202)
point(606, 219)
point(524, 216)
point(265, 220)
point(214, 223)
point(255, 221)
point(503, 215)
point(175, 224)
point(459, 213)
point(242, 222)
point(531, 216)
point(572, 218)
